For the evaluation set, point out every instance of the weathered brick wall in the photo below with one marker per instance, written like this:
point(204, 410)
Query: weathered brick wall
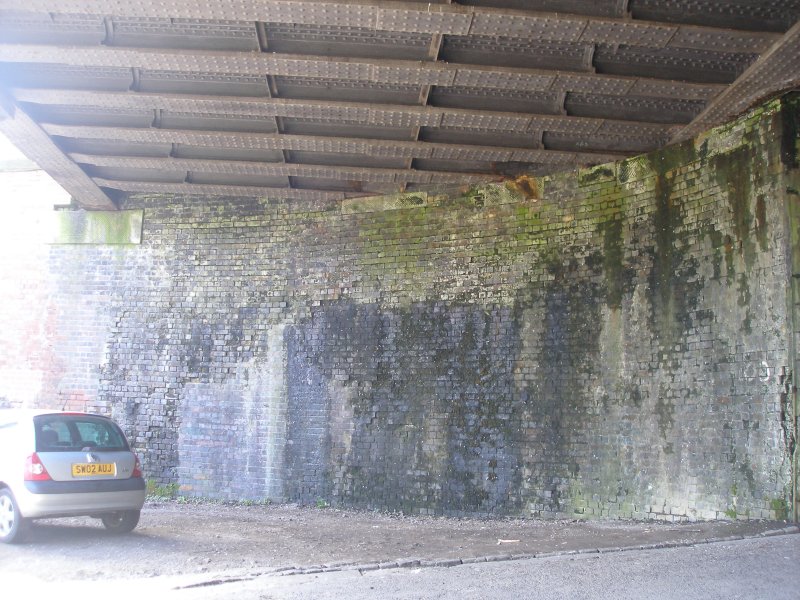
point(609, 343)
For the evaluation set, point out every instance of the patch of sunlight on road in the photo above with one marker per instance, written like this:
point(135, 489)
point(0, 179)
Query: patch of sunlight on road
point(118, 589)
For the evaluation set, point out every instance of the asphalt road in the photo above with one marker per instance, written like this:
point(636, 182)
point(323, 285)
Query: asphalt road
point(767, 567)
point(183, 540)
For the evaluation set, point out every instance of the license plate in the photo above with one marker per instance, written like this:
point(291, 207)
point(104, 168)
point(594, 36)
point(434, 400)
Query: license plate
point(87, 470)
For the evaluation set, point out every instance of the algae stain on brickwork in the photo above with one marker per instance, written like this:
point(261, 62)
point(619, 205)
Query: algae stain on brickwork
point(618, 276)
point(790, 139)
point(735, 177)
point(780, 509)
point(479, 435)
point(555, 389)
point(761, 223)
point(737, 181)
point(665, 414)
point(673, 279)
point(427, 387)
point(664, 262)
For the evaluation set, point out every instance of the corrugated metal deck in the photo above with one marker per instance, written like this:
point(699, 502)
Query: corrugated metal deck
point(330, 99)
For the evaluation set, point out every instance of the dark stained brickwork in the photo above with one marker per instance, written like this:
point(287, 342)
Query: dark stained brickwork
point(608, 343)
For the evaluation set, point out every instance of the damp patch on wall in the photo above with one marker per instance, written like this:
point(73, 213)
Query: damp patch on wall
point(122, 227)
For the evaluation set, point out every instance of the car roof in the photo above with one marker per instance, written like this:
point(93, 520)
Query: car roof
point(10, 415)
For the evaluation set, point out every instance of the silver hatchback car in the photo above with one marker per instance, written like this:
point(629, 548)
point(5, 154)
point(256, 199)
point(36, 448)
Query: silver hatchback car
point(63, 464)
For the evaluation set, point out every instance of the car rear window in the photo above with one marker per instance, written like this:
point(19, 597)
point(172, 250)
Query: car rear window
point(73, 433)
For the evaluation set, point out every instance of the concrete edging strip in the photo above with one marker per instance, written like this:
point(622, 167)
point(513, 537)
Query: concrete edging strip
point(416, 563)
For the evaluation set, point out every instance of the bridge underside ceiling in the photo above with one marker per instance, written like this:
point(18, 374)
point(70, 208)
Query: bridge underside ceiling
point(330, 100)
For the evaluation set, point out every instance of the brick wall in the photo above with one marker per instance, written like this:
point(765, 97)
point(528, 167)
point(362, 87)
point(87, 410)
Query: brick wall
point(612, 342)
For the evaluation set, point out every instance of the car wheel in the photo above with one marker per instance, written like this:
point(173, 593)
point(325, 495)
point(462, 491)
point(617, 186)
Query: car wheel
point(12, 524)
point(122, 521)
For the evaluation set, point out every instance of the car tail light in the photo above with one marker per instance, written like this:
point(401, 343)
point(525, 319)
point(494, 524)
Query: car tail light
point(34, 469)
point(137, 468)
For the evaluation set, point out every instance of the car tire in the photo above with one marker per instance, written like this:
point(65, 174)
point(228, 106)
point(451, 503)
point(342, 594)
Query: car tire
point(13, 526)
point(123, 521)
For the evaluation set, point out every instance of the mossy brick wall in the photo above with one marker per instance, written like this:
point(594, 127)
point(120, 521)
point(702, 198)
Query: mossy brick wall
point(609, 343)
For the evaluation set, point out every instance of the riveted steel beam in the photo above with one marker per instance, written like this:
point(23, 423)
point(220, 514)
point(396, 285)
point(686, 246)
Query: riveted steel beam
point(352, 112)
point(447, 19)
point(373, 71)
point(27, 135)
point(227, 167)
point(201, 189)
point(776, 70)
point(383, 148)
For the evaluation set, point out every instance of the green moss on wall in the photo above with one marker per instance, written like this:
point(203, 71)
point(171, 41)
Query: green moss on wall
point(779, 508)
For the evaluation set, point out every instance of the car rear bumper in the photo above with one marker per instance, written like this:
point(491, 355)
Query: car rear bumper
point(42, 499)
point(85, 487)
